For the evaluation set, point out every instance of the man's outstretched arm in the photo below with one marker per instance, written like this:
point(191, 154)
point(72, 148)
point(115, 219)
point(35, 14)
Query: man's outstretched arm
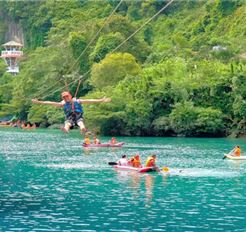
point(100, 100)
point(57, 104)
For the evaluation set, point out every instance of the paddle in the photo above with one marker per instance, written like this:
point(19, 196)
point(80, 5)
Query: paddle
point(225, 156)
point(112, 163)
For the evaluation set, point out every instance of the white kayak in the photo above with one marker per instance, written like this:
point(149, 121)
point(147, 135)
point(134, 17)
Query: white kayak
point(232, 157)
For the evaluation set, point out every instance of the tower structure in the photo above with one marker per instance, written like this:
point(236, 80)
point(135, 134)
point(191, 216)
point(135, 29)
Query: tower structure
point(11, 55)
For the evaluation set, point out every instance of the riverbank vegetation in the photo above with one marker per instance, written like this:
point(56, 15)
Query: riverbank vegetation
point(183, 74)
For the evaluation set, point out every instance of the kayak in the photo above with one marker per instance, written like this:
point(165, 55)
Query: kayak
point(130, 168)
point(235, 157)
point(104, 145)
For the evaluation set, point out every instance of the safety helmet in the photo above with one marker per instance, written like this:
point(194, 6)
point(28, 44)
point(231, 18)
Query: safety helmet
point(65, 93)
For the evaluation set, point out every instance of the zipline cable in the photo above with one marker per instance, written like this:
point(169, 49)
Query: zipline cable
point(85, 49)
point(134, 33)
point(92, 40)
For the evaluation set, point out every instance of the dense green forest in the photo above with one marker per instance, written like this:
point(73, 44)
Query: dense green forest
point(180, 75)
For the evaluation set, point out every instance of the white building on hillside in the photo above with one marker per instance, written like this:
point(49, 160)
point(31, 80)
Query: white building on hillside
point(11, 55)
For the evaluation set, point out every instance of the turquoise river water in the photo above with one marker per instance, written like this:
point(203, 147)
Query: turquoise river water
point(48, 182)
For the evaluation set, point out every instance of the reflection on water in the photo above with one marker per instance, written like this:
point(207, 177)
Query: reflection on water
point(48, 182)
point(136, 181)
point(149, 185)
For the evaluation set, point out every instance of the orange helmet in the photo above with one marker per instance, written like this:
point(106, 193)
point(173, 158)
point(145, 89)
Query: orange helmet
point(65, 93)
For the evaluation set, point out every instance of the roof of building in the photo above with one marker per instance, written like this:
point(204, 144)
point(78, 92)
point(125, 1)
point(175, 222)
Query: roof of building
point(13, 43)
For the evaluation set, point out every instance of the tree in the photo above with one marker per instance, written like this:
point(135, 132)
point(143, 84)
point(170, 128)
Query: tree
point(187, 120)
point(78, 44)
point(209, 122)
point(105, 44)
point(162, 126)
point(136, 45)
point(239, 104)
point(113, 68)
point(183, 119)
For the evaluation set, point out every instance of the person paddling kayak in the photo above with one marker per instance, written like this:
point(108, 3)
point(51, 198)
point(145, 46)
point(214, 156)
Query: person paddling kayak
point(151, 162)
point(87, 140)
point(123, 161)
point(96, 140)
point(113, 140)
point(135, 161)
point(236, 151)
point(73, 109)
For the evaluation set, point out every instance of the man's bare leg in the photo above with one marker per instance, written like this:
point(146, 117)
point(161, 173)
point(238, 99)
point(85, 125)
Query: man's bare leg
point(66, 127)
point(82, 127)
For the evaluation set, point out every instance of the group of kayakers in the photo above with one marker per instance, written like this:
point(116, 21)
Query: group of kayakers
point(87, 140)
point(135, 161)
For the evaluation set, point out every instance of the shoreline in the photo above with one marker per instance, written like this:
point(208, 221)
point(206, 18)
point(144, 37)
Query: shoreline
point(7, 128)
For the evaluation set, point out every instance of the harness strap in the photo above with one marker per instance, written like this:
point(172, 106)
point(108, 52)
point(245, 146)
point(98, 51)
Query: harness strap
point(73, 108)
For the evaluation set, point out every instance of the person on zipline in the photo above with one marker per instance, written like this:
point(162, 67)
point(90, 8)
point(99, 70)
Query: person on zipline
point(73, 109)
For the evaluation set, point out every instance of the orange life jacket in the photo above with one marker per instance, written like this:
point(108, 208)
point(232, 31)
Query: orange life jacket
point(87, 141)
point(136, 163)
point(150, 162)
point(237, 151)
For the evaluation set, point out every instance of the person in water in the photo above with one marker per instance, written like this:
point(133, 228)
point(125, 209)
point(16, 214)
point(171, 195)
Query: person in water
point(236, 151)
point(123, 161)
point(135, 161)
point(96, 140)
point(73, 109)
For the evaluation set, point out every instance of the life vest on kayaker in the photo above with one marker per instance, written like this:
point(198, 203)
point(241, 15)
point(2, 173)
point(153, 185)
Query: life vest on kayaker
point(113, 140)
point(87, 141)
point(96, 141)
point(135, 162)
point(72, 107)
point(150, 161)
point(237, 151)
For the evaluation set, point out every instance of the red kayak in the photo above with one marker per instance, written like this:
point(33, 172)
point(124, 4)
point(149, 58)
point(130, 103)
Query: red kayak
point(104, 145)
point(130, 168)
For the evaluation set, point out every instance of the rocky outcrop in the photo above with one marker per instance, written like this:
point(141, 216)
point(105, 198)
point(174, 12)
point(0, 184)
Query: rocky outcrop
point(14, 32)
